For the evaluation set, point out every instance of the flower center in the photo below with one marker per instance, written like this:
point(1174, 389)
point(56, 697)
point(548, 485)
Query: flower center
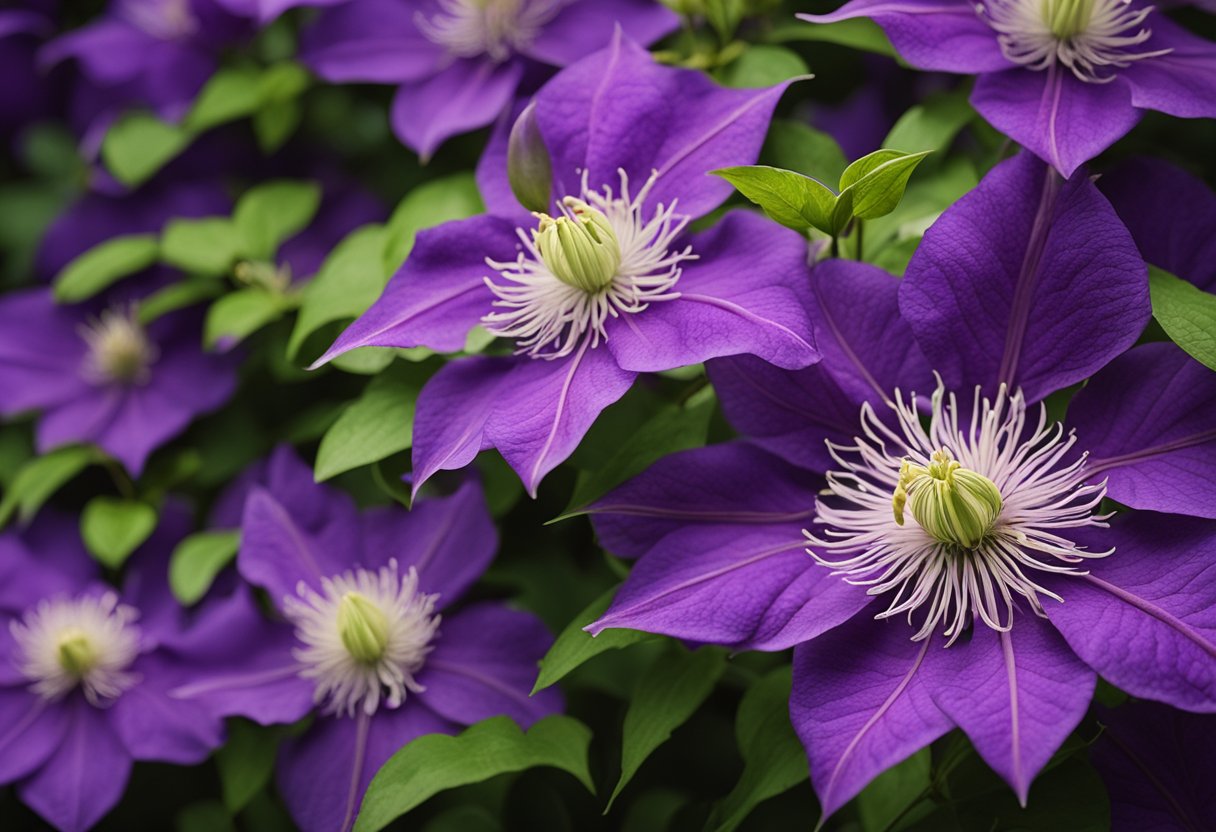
point(364, 637)
point(603, 257)
point(1087, 36)
point(87, 643)
point(495, 28)
point(990, 497)
point(953, 504)
point(119, 349)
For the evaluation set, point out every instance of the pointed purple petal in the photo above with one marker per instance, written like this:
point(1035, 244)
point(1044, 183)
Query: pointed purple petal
point(1145, 618)
point(464, 96)
point(581, 28)
point(859, 705)
point(1154, 440)
point(156, 726)
point(1182, 83)
point(40, 353)
point(721, 313)
point(485, 663)
point(1018, 695)
point(31, 729)
point(369, 41)
point(1027, 280)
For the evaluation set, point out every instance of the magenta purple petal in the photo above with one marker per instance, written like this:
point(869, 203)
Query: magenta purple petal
point(860, 706)
point(485, 663)
point(155, 726)
point(1182, 83)
point(584, 26)
point(1153, 441)
point(40, 355)
point(373, 41)
point(1145, 618)
point(1026, 280)
point(32, 731)
point(718, 314)
point(1017, 695)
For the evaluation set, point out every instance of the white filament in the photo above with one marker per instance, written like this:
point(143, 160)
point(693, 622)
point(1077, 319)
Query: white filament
point(495, 28)
point(947, 585)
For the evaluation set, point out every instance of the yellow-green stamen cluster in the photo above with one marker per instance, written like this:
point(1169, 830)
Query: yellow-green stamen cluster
point(580, 249)
point(1067, 18)
point(76, 653)
point(363, 628)
point(951, 503)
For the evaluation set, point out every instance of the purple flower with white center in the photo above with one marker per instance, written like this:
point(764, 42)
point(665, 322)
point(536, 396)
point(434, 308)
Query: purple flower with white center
point(85, 671)
point(104, 377)
point(368, 639)
point(1063, 78)
point(611, 285)
point(1158, 764)
point(955, 571)
point(458, 63)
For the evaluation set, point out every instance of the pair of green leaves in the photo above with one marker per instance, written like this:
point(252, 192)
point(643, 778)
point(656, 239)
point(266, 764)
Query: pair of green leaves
point(870, 188)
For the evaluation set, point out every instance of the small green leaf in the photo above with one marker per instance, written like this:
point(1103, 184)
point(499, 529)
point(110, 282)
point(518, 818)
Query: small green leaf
point(348, 282)
point(877, 187)
point(204, 816)
point(202, 246)
point(274, 123)
point(433, 203)
point(866, 165)
point(724, 16)
point(763, 66)
point(437, 762)
point(801, 148)
point(229, 94)
point(858, 33)
point(666, 696)
point(283, 81)
point(139, 145)
point(239, 314)
point(113, 528)
point(1186, 313)
point(41, 477)
point(893, 793)
point(377, 424)
point(102, 265)
point(198, 559)
point(574, 647)
point(178, 296)
point(933, 124)
point(268, 214)
point(246, 761)
point(774, 760)
point(794, 200)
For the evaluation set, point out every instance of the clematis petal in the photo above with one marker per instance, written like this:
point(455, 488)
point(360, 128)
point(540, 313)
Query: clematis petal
point(580, 28)
point(860, 706)
point(1017, 695)
point(718, 314)
point(33, 730)
point(1026, 280)
point(1182, 83)
point(485, 663)
point(155, 726)
point(1145, 618)
point(1154, 441)
point(370, 41)
point(40, 355)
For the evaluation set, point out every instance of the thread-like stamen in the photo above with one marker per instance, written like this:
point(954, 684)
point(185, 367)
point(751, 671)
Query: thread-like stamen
point(494, 28)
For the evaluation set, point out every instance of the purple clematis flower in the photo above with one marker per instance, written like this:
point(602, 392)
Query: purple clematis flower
point(458, 63)
point(948, 565)
point(106, 378)
point(85, 671)
point(1158, 764)
point(611, 288)
point(1064, 78)
point(368, 639)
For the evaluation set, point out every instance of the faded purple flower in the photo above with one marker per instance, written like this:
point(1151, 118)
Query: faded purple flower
point(104, 377)
point(367, 639)
point(1064, 78)
point(458, 63)
point(631, 143)
point(947, 565)
point(85, 671)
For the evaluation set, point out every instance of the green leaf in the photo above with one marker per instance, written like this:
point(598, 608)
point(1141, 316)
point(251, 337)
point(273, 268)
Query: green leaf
point(204, 816)
point(574, 647)
point(799, 147)
point(794, 200)
point(283, 81)
point(724, 16)
point(178, 296)
point(41, 477)
point(202, 246)
point(198, 559)
point(436, 762)
point(268, 214)
point(139, 145)
point(894, 792)
point(666, 696)
point(274, 123)
point(377, 424)
point(102, 265)
point(245, 762)
point(348, 282)
point(239, 314)
point(763, 66)
point(113, 528)
point(230, 94)
point(674, 428)
point(774, 760)
point(878, 187)
point(857, 33)
point(433, 203)
point(1186, 313)
point(933, 124)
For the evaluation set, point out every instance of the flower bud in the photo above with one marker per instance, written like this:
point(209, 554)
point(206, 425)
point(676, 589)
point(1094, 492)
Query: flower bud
point(529, 169)
point(952, 503)
point(363, 627)
point(580, 249)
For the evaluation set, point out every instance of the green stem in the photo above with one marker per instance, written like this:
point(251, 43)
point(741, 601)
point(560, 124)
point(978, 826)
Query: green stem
point(860, 226)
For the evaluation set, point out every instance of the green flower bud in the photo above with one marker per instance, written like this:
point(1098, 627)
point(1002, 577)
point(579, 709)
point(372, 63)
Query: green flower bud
point(76, 653)
point(951, 503)
point(363, 627)
point(582, 249)
point(1067, 18)
point(529, 170)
